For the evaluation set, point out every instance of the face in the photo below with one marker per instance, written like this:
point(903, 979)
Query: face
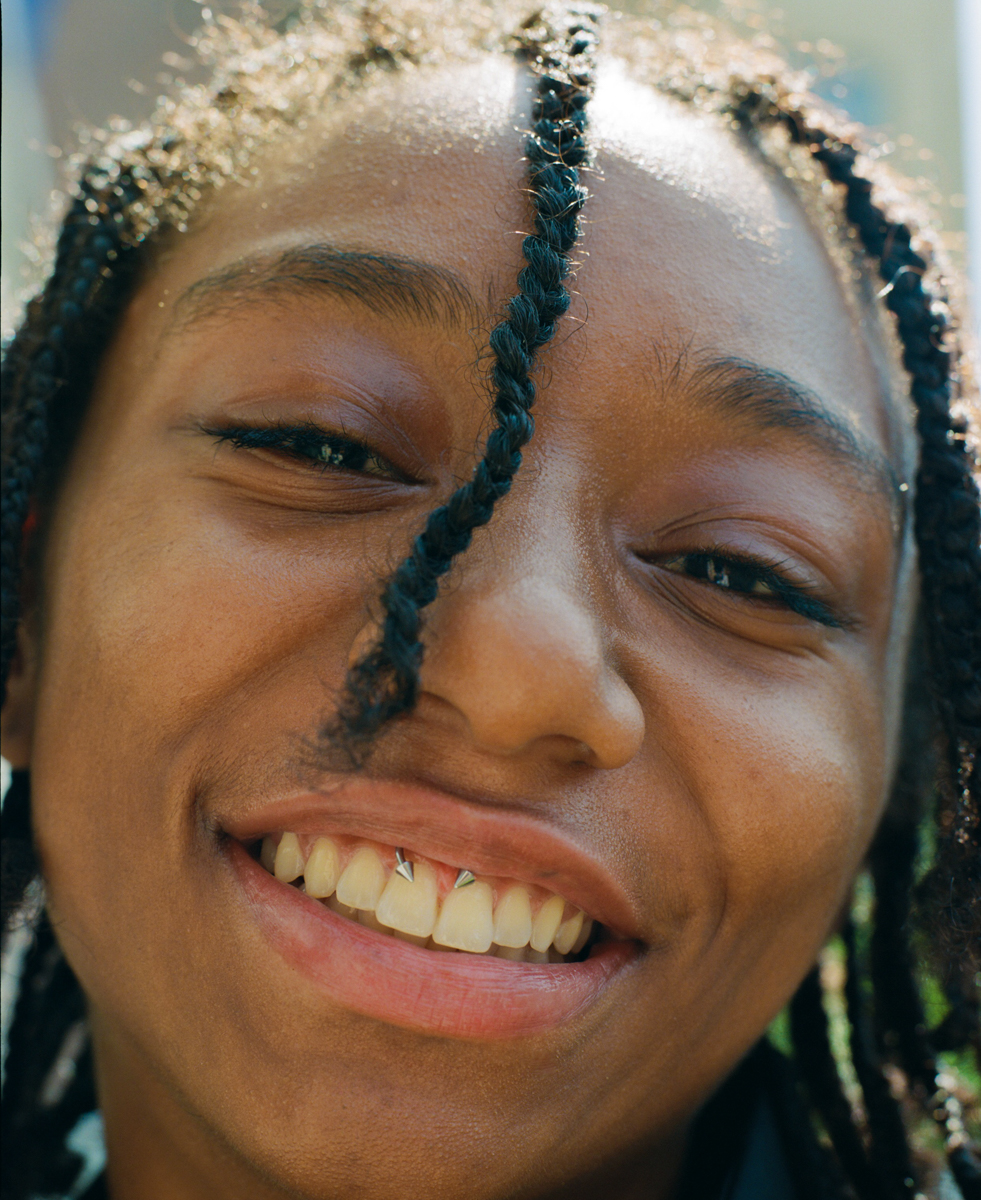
point(662, 686)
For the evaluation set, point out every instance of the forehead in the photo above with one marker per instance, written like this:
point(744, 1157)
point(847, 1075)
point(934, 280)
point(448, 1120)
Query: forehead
point(692, 245)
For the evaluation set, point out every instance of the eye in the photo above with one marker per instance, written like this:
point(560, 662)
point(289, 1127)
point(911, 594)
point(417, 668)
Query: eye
point(320, 449)
point(751, 578)
point(729, 573)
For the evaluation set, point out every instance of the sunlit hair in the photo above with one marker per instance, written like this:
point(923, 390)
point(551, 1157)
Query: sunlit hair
point(918, 922)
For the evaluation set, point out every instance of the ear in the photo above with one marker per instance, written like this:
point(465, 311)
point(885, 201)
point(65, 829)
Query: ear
point(17, 718)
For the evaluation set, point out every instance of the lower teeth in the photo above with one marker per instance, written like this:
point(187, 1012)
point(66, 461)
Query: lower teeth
point(525, 954)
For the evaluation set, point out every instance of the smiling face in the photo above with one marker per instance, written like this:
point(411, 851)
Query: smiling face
point(663, 685)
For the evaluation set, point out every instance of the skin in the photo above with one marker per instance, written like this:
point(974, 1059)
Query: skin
point(726, 759)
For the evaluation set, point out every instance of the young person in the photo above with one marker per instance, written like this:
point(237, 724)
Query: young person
point(602, 347)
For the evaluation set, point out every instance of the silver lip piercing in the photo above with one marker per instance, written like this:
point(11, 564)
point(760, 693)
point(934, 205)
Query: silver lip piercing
point(465, 878)
point(402, 866)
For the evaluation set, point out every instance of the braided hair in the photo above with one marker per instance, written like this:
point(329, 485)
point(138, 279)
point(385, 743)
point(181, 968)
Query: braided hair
point(384, 683)
point(47, 373)
point(948, 537)
point(864, 1148)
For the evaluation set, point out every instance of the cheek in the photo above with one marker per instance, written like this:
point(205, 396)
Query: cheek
point(779, 784)
point(171, 635)
point(794, 811)
point(165, 611)
point(799, 785)
point(800, 774)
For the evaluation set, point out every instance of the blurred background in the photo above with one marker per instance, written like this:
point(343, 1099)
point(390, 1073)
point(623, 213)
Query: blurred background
point(910, 67)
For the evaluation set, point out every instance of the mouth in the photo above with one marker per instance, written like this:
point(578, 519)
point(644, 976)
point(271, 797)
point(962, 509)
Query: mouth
point(399, 934)
point(428, 903)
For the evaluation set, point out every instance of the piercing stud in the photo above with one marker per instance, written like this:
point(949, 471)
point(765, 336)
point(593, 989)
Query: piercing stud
point(402, 866)
point(465, 878)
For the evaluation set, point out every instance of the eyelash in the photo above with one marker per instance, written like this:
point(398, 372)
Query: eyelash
point(715, 567)
point(750, 577)
point(312, 445)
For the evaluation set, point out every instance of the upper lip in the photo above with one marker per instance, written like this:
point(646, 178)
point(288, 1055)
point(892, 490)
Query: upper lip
point(429, 821)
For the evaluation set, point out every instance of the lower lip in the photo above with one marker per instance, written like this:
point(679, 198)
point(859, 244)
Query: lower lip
point(453, 995)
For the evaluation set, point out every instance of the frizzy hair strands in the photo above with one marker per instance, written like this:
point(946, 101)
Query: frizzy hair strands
point(383, 684)
point(134, 185)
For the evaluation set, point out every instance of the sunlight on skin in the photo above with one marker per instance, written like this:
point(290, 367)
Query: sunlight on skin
point(720, 760)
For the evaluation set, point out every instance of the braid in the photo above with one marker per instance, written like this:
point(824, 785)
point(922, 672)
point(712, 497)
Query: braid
point(948, 534)
point(812, 1045)
point(49, 366)
point(717, 1140)
point(888, 1151)
point(385, 682)
point(899, 1010)
point(49, 1079)
point(47, 374)
point(815, 1174)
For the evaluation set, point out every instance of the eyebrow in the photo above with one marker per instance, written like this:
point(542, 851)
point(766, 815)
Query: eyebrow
point(387, 285)
point(764, 399)
point(398, 287)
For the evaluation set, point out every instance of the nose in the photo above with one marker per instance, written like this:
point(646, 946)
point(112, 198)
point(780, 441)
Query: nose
point(523, 660)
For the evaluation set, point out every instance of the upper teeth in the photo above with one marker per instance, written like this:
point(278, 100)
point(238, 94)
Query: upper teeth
point(524, 924)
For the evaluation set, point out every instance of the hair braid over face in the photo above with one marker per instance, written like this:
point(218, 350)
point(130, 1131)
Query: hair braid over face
point(385, 682)
point(47, 374)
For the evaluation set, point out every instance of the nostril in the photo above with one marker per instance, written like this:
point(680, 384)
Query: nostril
point(524, 664)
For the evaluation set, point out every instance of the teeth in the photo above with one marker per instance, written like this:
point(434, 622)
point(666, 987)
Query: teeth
point(323, 868)
point(432, 944)
point(342, 910)
point(370, 921)
point(567, 933)
point(407, 937)
point(512, 918)
point(410, 907)
point(288, 864)
point(267, 856)
point(546, 923)
point(583, 938)
point(362, 881)
point(466, 920)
